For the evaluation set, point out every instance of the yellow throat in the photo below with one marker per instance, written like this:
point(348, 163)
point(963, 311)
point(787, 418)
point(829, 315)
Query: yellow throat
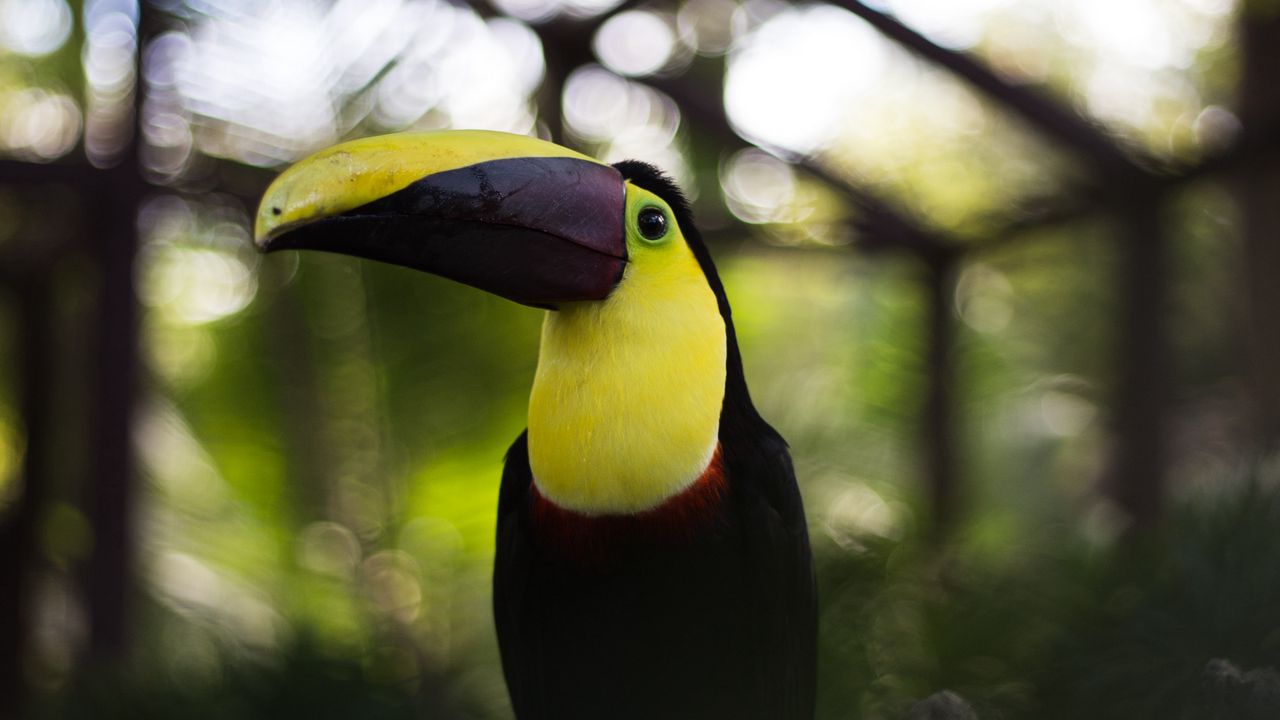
point(625, 407)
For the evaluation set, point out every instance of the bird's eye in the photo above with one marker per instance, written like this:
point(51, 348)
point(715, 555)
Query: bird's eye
point(652, 223)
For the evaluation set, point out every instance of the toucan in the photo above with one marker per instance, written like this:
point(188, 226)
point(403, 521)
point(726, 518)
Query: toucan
point(652, 557)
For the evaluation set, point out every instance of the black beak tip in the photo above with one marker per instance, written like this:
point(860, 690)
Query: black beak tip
point(285, 237)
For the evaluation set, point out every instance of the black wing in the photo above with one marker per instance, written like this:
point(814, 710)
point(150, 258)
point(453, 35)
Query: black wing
point(511, 563)
point(771, 512)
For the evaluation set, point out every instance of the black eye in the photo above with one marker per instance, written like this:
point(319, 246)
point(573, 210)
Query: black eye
point(652, 223)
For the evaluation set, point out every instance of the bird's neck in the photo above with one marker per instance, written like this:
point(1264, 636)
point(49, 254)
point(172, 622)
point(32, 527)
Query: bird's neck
point(625, 409)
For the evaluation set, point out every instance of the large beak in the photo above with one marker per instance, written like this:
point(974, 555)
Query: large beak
point(518, 217)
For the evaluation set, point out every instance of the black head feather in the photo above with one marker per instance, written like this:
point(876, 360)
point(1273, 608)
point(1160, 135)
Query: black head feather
point(642, 174)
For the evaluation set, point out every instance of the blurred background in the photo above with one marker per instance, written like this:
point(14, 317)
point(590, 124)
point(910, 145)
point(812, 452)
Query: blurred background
point(1004, 274)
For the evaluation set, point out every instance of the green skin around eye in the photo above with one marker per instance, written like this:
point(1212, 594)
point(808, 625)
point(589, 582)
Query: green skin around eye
point(639, 202)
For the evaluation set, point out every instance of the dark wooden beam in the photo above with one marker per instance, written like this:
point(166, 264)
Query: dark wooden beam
point(938, 435)
point(1143, 364)
point(1257, 190)
point(17, 172)
point(19, 525)
point(111, 485)
point(1245, 157)
point(109, 498)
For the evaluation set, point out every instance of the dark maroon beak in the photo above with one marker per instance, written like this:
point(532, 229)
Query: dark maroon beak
point(537, 230)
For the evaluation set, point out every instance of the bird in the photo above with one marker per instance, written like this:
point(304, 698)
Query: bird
point(652, 556)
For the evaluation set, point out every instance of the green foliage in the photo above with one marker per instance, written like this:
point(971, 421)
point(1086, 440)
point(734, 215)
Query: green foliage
point(1182, 623)
point(1172, 621)
point(298, 683)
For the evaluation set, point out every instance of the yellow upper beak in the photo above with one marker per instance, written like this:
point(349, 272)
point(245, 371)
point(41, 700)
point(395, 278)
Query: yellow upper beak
point(352, 174)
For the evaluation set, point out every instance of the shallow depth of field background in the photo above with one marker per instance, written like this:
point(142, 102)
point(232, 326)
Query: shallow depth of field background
point(1029, 371)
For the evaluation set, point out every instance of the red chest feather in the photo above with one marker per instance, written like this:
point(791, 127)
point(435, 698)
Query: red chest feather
point(599, 539)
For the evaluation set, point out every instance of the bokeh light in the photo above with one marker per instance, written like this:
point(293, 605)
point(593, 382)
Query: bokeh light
point(984, 298)
point(194, 273)
point(758, 187)
point(287, 78)
point(109, 61)
point(34, 27)
point(710, 26)
point(958, 24)
point(538, 11)
point(623, 120)
point(38, 125)
point(636, 42)
point(792, 81)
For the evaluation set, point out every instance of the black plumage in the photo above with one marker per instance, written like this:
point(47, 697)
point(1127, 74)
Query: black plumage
point(718, 623)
